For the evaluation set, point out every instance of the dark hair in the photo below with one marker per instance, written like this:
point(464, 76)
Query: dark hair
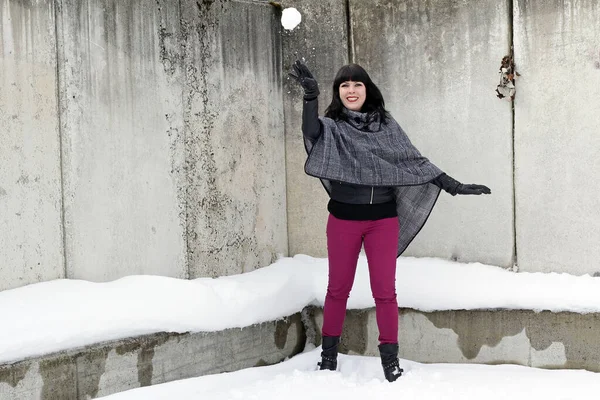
point(373, 103)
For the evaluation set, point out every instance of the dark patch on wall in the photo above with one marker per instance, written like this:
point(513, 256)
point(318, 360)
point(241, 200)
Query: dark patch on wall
point(129, 346)
point(300, 334)
point(2, 192)
point(198, 27)
point(59, 377)
point(578, 333)
point(23, 180)
point(145, 348)
point(261, 363)
point(282, 329)
point(134, 344)
point(309, 325)
point(168, 43)
point(145, 365)
point(472, 332)
point(355, 339)
point(206, 3)
point(14, 373)
point(91, 365)
point(223, 117)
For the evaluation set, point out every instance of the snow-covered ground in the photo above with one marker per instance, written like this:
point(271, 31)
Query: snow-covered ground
point(62, 314)
point(360, 378)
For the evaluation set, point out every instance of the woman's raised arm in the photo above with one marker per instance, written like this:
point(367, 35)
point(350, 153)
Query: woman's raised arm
point(311, 126)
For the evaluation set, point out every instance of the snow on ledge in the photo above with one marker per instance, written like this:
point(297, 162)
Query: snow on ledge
point(63, 314)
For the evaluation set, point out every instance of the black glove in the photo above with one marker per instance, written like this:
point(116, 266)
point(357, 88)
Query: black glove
point(305, 78)
point(454, 187)
point(472, 189)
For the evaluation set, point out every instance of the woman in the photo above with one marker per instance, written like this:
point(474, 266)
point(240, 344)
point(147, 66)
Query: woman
point(381, 190)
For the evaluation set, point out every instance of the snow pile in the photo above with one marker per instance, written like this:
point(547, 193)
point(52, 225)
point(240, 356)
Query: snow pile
point(360, 378)
point(62, 314)
point(290, 18)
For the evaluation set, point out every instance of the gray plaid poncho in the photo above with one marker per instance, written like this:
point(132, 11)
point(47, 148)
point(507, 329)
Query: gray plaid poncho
point(365, 151)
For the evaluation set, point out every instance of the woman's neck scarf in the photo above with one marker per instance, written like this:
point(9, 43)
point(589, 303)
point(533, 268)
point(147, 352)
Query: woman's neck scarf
point(367, 151)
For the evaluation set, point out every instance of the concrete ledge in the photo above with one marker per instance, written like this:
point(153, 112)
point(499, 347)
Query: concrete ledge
point(543, 340)
point(120, 365)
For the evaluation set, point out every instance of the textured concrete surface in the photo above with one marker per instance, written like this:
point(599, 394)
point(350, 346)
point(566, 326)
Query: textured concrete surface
point(235, 150)
point(557, 52)
point(122, 136)
point(121, 365)
point(31, 240)
point(437, 65)
point(321, 39)
point(544, 339)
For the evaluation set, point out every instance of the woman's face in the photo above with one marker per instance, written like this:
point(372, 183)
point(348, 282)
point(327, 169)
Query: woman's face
point(353, 95)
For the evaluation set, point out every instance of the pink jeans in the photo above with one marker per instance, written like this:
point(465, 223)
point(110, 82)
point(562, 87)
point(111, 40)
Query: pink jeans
point(344, 241)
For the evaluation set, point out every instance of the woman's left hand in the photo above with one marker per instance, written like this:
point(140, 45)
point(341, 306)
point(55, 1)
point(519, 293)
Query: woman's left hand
point(305, 78)
point(472, 189)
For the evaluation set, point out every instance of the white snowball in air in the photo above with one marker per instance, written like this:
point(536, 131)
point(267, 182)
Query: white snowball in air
point(290, 18)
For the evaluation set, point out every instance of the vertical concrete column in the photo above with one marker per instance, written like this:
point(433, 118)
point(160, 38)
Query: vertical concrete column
point(321, 38)
point(31, 243)
point(557, 156)
point(122, 138)
point(236, 219)
point(437, 64)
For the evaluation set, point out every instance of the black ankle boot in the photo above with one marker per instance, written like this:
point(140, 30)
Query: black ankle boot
point(329, 353)
point(389, 361)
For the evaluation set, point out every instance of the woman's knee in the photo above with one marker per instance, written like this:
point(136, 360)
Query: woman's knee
point(389, 299)
point(338, 292)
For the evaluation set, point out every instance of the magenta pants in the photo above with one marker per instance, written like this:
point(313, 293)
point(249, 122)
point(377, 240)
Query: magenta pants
point(344, 241)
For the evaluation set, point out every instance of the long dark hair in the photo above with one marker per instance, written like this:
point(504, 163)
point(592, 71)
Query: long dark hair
point(373, 103)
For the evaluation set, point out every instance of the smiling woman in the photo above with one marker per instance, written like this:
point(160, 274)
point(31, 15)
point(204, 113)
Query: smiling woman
point(353, 95)
point(381, 190)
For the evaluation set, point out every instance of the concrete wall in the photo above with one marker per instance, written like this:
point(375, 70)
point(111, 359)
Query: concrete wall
point(122, 133)
point(31, 240)
point(234, 136)
point(321, 39)
point(440, 91)
point(160, 127)
point(437, 66)
point(557, 50)
point(108, 368)
point(535, 339)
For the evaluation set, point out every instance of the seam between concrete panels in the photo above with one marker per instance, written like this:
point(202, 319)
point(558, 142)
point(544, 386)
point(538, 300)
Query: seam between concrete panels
point(511, 11)
point(350, 39)
point(56, 6)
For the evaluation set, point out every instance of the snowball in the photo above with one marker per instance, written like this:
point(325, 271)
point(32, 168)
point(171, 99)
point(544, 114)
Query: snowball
point(290, 18)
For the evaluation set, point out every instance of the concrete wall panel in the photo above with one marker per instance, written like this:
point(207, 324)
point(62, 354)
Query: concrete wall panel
point(557, 156)
point(321, 38)
point(437, 65)
point(236, 219)
point(31, 240)
point(122, 132)
point(120, 365)
point(523, 337)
